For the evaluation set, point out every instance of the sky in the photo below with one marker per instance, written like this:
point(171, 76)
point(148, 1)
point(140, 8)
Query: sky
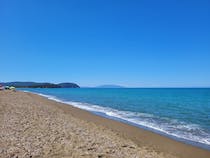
point(133, 43)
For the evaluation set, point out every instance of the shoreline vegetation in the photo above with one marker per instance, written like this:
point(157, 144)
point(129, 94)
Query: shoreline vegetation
point(34, 126)
point(40, 85)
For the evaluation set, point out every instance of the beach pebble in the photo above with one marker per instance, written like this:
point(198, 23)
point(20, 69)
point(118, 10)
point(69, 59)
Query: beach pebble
point(34, 127)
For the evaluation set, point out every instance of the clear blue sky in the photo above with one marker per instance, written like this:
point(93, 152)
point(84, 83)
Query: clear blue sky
point(143, 43)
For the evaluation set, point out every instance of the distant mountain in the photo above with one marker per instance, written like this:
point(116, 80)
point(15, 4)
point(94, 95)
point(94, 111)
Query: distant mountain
point(39, 85)
point(109, 86)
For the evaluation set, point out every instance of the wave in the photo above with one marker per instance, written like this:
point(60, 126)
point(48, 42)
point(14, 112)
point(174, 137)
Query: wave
point(171, 127)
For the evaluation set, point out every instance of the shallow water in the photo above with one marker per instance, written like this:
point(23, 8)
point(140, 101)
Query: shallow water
point(182, 113)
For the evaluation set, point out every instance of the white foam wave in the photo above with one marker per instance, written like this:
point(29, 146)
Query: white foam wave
point(168, 126)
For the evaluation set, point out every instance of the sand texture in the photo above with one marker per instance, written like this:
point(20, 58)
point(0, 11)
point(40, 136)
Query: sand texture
point(33, 127)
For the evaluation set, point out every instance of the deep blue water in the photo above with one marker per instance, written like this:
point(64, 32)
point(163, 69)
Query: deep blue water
point(180, 113)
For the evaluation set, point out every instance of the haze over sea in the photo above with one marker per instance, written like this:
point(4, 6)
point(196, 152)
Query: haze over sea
point(180, 113)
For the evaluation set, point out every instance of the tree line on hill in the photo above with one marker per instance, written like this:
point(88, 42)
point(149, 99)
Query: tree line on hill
point(40, 85)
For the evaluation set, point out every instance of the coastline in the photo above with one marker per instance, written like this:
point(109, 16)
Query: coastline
point(117, 115)
point(147, 141)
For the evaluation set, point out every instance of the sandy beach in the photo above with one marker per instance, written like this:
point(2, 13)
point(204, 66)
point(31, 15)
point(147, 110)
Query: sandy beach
point(32, 126)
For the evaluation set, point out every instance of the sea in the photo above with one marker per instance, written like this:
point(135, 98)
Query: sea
point(182, 114)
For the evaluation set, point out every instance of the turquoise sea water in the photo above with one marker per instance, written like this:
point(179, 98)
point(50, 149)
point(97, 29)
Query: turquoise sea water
point(180, 113)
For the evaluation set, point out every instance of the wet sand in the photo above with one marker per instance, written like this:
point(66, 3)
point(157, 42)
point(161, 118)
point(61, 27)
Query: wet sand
point(33, 126)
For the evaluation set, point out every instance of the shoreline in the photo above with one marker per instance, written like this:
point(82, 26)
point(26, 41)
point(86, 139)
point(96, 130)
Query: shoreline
point(136, 135)
point(144, 139)
point(104, 115)
point(175, 138)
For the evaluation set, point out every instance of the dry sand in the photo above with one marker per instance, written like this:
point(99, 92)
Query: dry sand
point(33, 126)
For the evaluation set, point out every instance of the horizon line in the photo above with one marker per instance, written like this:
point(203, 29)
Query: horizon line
point(118, 85)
